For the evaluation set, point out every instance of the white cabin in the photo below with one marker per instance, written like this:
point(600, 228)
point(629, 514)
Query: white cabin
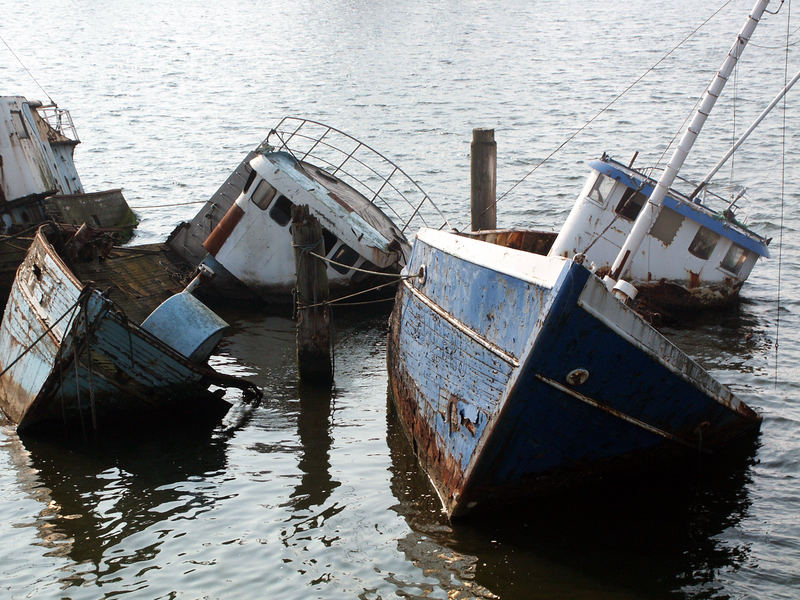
point(691, 254)
point(254, 244)
point(36, 150)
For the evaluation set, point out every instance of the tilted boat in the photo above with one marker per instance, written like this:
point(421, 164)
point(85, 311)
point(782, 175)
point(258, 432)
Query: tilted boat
point(698, 254)
point(515, 373)
point(365, 203)
point(69, 353)
point(695, 256)
point(40, 182)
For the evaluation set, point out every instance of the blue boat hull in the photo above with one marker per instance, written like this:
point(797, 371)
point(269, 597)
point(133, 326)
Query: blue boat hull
point(68, 354)
point(510, 383)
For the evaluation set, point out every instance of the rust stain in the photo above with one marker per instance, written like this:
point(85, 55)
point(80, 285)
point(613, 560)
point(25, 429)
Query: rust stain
point(694, 279)
point(442, 468)
point(223, 230)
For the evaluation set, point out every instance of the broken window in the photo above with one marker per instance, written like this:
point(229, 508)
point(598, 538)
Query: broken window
point(281, 211)
point(601, 189)
point(666, 226)
point(263, 195)
point(630, 204)
point(19, 125)
point(345, 255)
point(735, 258)
point(704, 243)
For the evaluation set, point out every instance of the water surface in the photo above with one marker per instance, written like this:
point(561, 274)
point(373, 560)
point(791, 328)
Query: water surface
point(310, 494)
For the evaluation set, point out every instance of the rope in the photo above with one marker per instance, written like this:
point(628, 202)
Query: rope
point(607, 106)
point(168, 205)
point(37, 340)
point(334, 262)
point(354, 294)
point(365, 302)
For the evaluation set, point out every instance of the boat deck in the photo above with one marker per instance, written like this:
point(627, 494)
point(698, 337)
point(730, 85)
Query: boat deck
point(139, 277)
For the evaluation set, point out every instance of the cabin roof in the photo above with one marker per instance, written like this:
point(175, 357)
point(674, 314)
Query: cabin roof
point(367, 221)
point(683, 205)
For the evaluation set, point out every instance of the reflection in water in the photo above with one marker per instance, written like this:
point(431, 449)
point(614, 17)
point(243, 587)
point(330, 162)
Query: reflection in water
point(319, 491)
point(99, 493)
point(428, 544)
point(313, 430)
point(735, 340)
point(310, 495)
point(651, 538)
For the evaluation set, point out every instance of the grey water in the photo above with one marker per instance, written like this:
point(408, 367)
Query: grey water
point(316, 495)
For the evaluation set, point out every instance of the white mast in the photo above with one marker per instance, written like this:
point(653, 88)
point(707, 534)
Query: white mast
point(653, 206)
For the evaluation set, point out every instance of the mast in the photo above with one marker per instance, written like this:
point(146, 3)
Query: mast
point(651, 209)
point(745, 135)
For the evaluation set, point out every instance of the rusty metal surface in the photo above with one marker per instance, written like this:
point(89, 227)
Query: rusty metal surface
point(222, 231)
point(71, 354)
point(529, 240)
point(105, 209)
point(489, 431)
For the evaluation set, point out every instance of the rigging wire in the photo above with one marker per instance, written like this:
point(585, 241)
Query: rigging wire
point(782, 196)
point(19, 60)
point(781, 47)
point(735, 95)
point(574, 134)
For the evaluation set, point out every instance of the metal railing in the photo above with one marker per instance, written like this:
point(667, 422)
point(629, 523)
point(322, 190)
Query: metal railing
point(60, 120)
point(369, 172)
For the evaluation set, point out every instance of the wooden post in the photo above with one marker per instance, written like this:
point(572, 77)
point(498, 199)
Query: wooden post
point(484, 179)
point(313, 313)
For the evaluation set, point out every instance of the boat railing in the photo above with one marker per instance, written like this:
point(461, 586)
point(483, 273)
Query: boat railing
point(60, 120)
point(365, 169)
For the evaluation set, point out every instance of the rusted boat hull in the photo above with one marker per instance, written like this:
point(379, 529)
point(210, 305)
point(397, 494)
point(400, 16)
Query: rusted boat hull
point(68, 353)
point(514, 374)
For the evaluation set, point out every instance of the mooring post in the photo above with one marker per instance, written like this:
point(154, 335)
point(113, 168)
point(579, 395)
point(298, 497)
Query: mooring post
point(484, 179)
point(313, 312)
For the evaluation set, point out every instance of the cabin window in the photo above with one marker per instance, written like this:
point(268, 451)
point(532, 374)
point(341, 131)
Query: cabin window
point(666, 226)
point(630, 204)
point(19, 124)
point(735, 258)
point(601, 189)
point(367, 266)
point(345, 255)
point(329, 239)
point(281, 211)
point(263, 194)
point(704, 243)
point(251, 177)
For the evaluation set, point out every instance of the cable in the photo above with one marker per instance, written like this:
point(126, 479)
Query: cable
point(26, 70)
point(607, 106)
point(783, 186)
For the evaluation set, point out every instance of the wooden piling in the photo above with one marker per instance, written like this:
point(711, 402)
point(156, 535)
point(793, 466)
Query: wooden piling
point(313, 313)
point(483, 170)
